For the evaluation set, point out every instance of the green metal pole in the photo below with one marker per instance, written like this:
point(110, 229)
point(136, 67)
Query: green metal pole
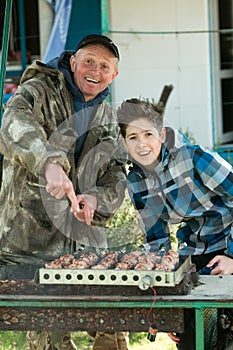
point(104, 7)
point(105, 17)
point(22, 34)
point(5, 43)
point(199, 315)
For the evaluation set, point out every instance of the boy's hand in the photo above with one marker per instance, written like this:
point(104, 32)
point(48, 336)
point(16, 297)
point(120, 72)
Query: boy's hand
point(224, 265)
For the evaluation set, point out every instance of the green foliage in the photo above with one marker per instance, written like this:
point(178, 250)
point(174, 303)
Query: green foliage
point(137, 338)
point(10, 340)
point(189, 135)
point(125, 214)
point(123, 229)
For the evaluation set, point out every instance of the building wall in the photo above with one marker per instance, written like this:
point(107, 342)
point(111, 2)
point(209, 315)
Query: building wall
point(85, 19)
point(46, 18)
point(165, 42)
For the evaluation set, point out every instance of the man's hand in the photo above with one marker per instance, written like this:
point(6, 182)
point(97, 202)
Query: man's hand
point(58, 184)
point(87, 207)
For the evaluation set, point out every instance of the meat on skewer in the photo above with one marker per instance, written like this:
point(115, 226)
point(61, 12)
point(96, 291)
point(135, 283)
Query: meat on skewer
point(107, 262)
point(134, 260)
point(174, 256)
point(147, 262)
point(168, 261)
point(61, 262)
point(128, 261)
point(85, 261)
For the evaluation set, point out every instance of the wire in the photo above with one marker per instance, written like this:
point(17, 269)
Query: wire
point(175, 32)
point(149, 312)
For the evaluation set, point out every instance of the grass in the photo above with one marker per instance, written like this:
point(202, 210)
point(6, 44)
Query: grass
point(10, 340)
point(162, 342)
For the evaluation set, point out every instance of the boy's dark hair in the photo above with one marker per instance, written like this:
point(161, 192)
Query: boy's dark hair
point(134, 108)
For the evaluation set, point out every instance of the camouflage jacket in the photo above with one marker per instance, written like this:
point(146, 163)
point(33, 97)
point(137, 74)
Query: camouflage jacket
point(36, 130)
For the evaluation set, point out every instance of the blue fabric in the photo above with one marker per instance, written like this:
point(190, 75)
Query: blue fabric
point(58, 36)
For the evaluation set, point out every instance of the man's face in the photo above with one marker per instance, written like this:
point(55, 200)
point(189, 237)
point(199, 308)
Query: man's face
point(143, 142)
point(94, 68)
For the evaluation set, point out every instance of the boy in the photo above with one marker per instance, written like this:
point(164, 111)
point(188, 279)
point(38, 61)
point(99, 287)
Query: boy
point(173, 182)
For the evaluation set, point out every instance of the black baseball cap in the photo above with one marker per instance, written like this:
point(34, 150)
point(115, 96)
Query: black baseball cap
point(96, 38)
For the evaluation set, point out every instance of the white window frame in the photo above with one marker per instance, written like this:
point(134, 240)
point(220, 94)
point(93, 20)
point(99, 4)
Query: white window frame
point(218, 75)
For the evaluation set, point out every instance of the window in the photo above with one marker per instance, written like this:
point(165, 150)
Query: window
point(223, 70)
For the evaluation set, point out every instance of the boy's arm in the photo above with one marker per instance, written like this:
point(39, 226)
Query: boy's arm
point(156, 231)
point(215, 172)
point(158, 235)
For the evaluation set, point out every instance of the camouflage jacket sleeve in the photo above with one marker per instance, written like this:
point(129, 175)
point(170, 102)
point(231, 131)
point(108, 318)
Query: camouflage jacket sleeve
point(101, 169)
point(27, 128)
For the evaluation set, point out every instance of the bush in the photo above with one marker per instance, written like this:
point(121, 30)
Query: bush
point(123, 229)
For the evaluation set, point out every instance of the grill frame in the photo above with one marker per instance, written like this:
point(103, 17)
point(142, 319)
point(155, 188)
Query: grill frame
point(141, 278)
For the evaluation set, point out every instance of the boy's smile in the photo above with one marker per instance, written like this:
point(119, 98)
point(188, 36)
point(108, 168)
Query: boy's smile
point(143, 142)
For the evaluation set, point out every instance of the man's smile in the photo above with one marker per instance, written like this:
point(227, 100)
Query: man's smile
point(91, 80)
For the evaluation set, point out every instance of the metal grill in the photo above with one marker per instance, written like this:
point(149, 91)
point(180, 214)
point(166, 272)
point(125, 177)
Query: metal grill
point(141, 278)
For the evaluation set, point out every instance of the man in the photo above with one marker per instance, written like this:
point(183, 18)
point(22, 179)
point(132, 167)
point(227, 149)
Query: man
point(58, 139)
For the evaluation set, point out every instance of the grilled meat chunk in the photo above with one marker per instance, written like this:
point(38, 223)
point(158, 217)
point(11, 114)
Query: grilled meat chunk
point(128, 261)
point(109, 261)
point(85, 261)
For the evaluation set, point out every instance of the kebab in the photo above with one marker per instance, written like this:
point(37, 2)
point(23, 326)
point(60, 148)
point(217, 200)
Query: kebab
point(85, 261)
point(168, 261)
point(137, 260)
point(147, 261)
point(68, 261)
point(109, 261)
point(128, 261)
point(61, 262)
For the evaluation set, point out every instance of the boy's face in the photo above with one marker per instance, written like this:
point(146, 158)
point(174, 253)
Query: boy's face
point(143, 142)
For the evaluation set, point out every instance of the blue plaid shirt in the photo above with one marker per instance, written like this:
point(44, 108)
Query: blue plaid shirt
point(192, 187)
